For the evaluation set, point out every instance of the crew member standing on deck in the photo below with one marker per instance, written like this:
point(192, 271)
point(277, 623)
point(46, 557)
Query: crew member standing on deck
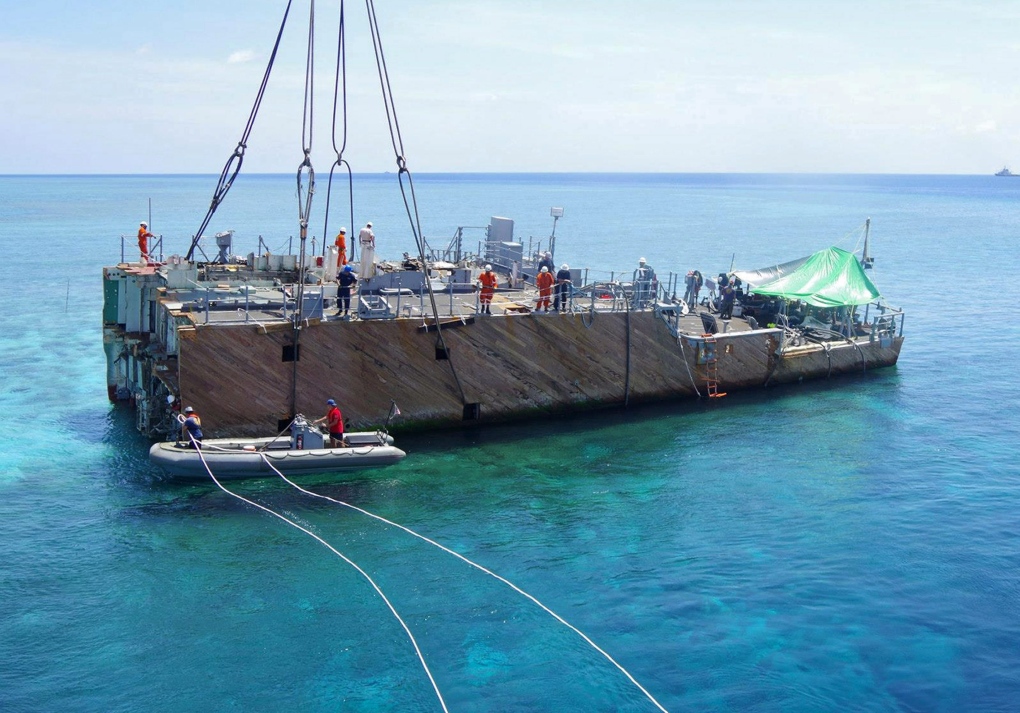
point(563, 281)
point(546, 261)
point(544, 281)
point(367, 240)
point(726, 305)
point(191, 426)
point(489, 284)
point(346, 280)
point(645, 286)
point(143, 240)
point(341, 247)
point(334, 423)
point(693, 281)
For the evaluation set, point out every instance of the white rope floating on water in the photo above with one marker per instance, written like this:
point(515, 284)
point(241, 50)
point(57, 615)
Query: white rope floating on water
point(505, 581)
point(335, 551)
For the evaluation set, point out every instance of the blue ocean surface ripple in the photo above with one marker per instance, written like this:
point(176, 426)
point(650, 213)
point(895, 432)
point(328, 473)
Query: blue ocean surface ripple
point(841, 545)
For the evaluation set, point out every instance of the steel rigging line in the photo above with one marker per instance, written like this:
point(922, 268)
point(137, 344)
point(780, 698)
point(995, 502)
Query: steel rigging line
point(411, 206)
point(340, 98)
point(233, 165)
point(304, 198)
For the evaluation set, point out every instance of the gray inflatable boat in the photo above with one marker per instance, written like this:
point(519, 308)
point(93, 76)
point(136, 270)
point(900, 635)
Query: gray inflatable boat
point(304, 451)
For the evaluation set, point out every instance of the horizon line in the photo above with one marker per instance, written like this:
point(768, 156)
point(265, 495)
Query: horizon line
point(501, 173)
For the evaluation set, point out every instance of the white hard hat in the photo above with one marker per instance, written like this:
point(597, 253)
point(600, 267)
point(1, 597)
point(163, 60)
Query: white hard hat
point(641, 260)
point(564, 266)
point(488, 268)
point(343, 230)
point(144, 223)
point(544, 269)
point(368, 224)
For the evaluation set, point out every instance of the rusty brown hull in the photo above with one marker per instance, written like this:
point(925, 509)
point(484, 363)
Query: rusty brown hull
point(498, 368)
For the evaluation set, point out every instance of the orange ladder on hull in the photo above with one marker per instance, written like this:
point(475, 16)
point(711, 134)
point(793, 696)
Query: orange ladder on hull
point(711, 361)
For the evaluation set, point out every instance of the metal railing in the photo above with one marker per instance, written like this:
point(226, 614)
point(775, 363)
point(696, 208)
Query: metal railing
point(156, 244)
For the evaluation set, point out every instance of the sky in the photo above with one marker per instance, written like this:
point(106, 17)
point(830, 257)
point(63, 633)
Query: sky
point(760, 86)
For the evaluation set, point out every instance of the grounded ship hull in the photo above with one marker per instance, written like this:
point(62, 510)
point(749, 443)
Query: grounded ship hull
point(224, 340)
point(497, 368)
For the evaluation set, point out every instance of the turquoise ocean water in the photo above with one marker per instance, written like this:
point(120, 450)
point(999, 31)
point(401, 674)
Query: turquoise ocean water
point(849, 545)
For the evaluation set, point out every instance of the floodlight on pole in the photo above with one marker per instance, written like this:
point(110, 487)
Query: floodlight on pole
point(556, 214)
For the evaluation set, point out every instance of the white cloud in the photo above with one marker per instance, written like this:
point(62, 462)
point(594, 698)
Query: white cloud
point(241, 56)
point(518, 85)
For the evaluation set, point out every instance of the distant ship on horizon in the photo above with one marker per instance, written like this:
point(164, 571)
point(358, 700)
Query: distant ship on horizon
point(1006, 172)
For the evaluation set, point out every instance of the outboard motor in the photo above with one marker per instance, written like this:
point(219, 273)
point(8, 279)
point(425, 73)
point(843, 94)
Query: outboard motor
point(305, 435)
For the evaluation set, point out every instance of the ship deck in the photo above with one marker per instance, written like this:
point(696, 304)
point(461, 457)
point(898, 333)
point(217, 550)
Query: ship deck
point(265, 305)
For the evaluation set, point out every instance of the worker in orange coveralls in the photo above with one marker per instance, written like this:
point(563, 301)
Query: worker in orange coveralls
point(544, 280)
point(143, 240)
point(341, 247)
point(489, 284)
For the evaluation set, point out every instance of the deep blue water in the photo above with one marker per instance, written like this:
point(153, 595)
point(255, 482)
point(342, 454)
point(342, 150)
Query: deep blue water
point(849, 545)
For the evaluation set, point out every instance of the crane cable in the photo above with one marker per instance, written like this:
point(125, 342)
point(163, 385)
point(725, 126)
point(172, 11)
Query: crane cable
point(340, 92)
point(410, 205)
point(233, 165)
point(304, 197)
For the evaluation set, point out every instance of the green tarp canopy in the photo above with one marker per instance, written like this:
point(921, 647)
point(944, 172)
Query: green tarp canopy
point(829, 278)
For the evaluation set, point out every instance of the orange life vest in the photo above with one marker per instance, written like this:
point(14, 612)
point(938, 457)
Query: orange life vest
point(488, 280)
point(545, 282)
